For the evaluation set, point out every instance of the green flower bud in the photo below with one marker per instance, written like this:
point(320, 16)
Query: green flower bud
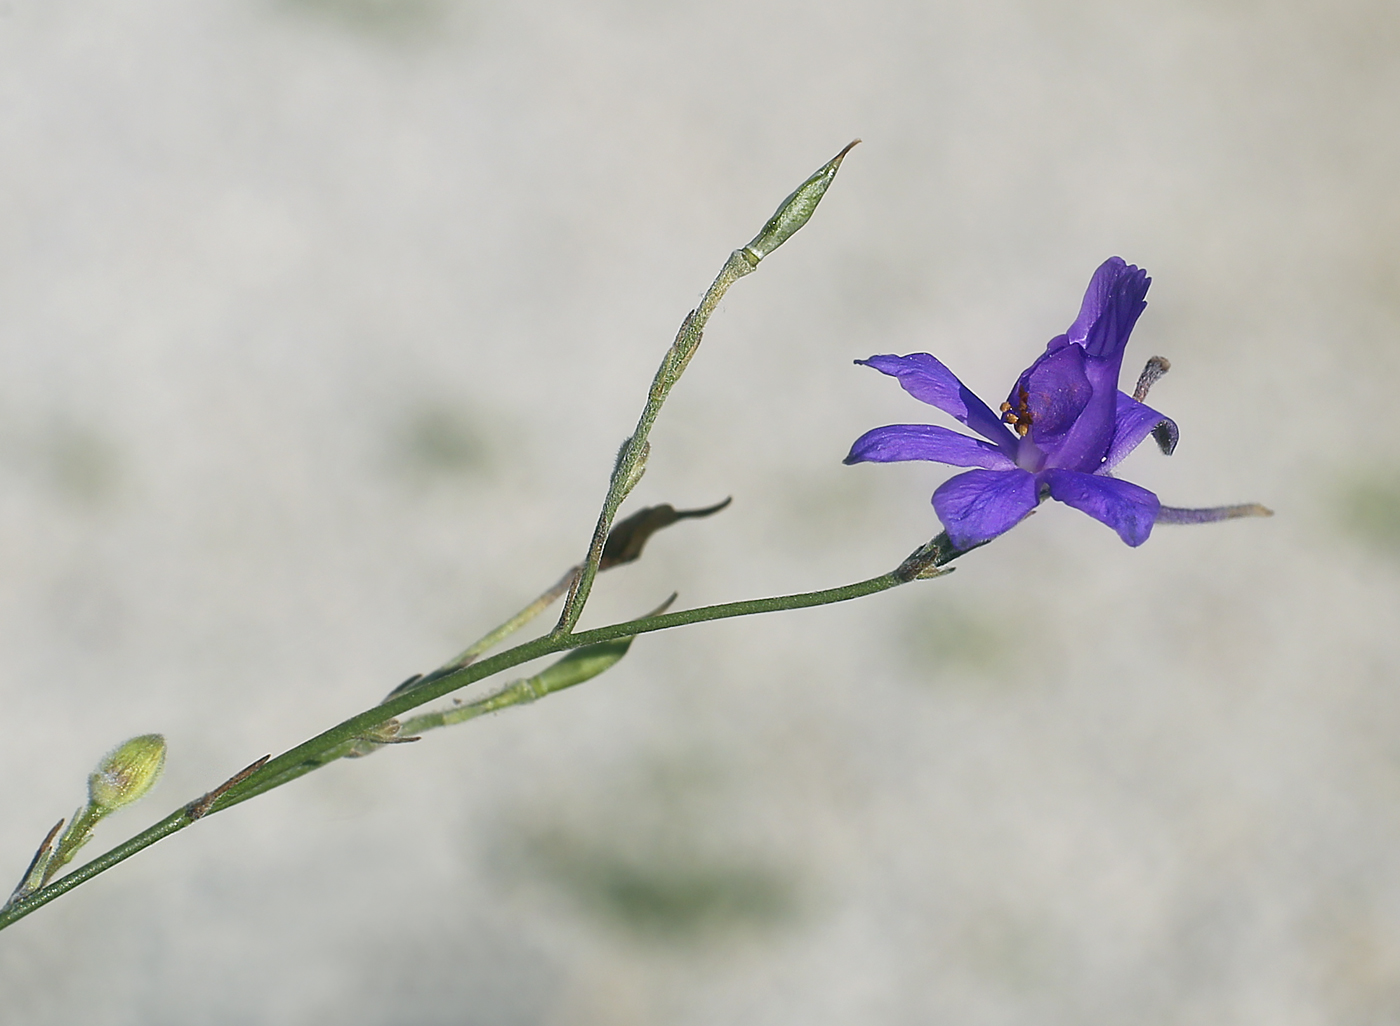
point(127, 773)
point(795, 211)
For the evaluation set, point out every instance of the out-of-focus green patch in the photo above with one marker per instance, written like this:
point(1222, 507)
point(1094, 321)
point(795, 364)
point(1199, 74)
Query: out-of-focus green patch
point(438, 441)
point(84, 466)
point(385, 18)
point(658, 891)
point(942, 636)
point(1370, 510)
point(79, 464)
point(656, 858)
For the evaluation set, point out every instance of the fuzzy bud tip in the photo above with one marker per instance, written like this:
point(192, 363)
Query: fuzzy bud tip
point(127, 773)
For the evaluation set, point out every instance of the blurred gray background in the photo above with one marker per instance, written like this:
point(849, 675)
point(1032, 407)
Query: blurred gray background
point(320, 323)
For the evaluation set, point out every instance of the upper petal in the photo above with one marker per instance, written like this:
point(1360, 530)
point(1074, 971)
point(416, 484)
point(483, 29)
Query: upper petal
point(1086, 443)
point(926, 379)
point(1129, 509)
point(1112, 304)
point(981, 504)
point(1095, 297)
point(1134, 421)
point(1052, 392)
point(896, 442)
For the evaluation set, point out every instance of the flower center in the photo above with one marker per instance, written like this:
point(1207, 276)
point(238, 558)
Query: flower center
point(1029, 456)
point(1019, 416)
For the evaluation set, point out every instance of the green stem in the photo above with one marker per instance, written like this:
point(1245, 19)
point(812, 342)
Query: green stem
point(634, 450)
point(322, 748)
point(489, 641)
point(79, 832)
point(580, 665)
point(514, 624)
point(331, 744)
point(787, 220)
point(341, 739)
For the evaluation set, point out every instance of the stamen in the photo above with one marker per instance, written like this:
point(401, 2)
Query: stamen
point(1151, 374)
point(1021, 419)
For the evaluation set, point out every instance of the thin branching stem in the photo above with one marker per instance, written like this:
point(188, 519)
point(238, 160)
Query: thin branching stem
point(331, 744)
point(792, 214)
point(634, 451)
point(374, 725)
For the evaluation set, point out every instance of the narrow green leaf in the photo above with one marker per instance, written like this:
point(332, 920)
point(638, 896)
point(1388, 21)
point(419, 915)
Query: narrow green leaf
point(580, 665)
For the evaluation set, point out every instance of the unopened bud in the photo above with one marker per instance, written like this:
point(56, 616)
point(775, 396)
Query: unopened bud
point(796, 210)
point(127, 773)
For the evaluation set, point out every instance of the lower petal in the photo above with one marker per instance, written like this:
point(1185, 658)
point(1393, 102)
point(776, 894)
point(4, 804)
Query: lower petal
point(1134, 421)
point(1129, 509)
point(896, 442)
point(977, 506)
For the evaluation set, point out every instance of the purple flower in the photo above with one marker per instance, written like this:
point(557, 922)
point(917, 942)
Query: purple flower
point(1061, 431)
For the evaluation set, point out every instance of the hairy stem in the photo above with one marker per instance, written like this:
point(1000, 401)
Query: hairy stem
point(490, 640)
point(634, 450)
point(790, 216)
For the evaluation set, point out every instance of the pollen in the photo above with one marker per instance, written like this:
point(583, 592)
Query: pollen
point(1018, 417)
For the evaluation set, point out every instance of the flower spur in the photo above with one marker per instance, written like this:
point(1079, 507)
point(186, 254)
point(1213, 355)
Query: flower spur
point(1060, 433)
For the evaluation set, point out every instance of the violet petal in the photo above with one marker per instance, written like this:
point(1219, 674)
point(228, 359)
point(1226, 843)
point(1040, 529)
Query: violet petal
point(981, 504)
point(1096, 297)
point(1134, 421)
point(896, 442)
point(1116, 283)
point(1119, 306)
point(1129, 509)
point(927, 380)
point(1087, 441)
point(1053, 391)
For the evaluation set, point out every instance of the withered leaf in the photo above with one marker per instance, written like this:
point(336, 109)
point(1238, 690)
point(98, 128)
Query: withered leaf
point(628, 537)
